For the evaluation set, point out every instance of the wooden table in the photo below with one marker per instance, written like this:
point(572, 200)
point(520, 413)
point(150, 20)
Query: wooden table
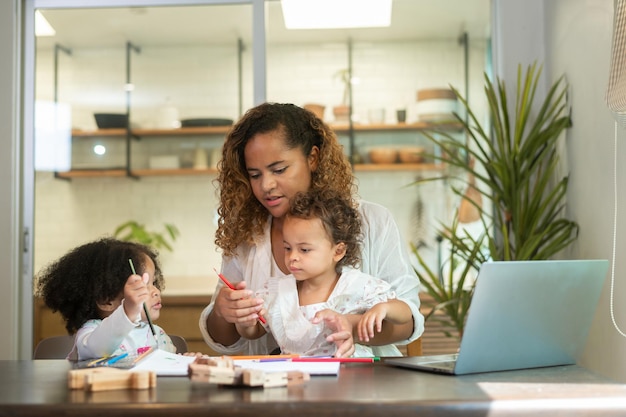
point(39, 388)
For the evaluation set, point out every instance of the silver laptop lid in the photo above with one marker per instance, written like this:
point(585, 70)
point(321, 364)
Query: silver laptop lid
point(528, 314)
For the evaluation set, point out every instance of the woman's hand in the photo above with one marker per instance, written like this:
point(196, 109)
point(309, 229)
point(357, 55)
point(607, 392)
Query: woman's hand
point(342, 336)
point(238, 305)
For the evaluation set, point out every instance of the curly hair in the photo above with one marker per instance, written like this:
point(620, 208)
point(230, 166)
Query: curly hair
point(241, 215)
point(92, 273)
point(339, 217)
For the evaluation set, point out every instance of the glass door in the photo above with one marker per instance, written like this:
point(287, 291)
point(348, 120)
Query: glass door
point(132, 103)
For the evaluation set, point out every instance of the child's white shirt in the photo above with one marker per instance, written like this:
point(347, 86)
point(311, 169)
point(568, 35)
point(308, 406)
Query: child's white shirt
point(115, 335)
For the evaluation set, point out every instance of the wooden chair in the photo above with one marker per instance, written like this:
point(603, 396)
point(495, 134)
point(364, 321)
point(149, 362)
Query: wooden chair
point(414, 348)
point(180, 343)
point(58, 347)
point(55, 347)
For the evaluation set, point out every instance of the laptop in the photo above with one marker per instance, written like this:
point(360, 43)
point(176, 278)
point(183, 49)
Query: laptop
point(524, 314)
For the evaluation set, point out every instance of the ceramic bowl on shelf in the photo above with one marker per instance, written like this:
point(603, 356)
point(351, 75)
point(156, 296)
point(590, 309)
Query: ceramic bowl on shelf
point(411, 155)
point(376, 116)
point(111, 120)
point(383, 155)
point(436, 105)
point(205, 122)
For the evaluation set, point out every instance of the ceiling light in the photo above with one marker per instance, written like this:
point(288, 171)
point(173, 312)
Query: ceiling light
point(42, 27)
point(335, 14)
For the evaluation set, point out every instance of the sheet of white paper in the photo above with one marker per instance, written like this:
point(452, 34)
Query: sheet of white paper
point(165, 363)
point(312, 368)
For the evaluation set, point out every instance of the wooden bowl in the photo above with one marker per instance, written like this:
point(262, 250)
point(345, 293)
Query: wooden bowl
point(412, 155)
point(383, 155)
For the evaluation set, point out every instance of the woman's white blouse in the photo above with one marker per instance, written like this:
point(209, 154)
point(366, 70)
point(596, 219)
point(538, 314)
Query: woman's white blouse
point(384, 255)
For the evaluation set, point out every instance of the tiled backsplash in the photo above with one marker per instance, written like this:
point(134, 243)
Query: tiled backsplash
point(69, 213)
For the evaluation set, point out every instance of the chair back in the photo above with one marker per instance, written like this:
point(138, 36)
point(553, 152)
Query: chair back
point(55, 347)
point(179, 342)
point(58, 347)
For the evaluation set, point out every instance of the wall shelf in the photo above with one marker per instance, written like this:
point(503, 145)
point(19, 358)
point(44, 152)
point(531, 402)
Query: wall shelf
point(183, 131)
point(398, 167)
point(91, 173)
point(217, 130)
point(223, 130)
point(412, 127)
point(99, 173)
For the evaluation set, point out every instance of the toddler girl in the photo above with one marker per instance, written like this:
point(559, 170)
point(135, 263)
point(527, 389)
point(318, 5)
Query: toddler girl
point(321, 236)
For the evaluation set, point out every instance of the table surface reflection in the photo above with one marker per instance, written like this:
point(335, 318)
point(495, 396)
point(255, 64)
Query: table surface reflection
point(39, 387)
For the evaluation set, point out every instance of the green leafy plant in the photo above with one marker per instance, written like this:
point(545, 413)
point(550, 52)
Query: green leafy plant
point(514, 162)
point(132, 231)
point(452, 290)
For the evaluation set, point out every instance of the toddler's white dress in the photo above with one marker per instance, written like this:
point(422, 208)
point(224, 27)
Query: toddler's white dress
point(290, 323)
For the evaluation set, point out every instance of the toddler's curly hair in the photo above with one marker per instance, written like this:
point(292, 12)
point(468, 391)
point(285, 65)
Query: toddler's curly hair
point(92, 273)
point(339, 217)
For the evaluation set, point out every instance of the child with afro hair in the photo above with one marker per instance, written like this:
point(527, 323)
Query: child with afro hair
point(101, 300)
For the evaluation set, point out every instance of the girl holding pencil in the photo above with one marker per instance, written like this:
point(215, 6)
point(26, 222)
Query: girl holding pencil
point(321, 234)
point(103, 301)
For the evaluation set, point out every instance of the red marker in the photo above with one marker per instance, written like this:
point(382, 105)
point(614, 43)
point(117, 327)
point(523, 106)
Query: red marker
point(232, 287)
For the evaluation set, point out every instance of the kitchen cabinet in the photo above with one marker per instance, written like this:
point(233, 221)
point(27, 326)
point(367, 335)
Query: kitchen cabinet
point(215, 134)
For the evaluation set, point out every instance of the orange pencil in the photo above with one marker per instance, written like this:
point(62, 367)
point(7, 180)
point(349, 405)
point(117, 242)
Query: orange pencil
point(261, 357)
point(143, 355)
point(232, 287)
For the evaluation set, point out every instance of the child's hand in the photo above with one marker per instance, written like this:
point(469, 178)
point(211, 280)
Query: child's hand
point(195, 354)
point(342, 336)
point(135, 294)
point(373, 317)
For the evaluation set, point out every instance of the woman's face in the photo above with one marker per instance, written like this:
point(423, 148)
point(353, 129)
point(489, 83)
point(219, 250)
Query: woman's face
point(276, 173)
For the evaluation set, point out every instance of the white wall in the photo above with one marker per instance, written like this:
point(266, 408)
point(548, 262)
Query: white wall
point(577, 43)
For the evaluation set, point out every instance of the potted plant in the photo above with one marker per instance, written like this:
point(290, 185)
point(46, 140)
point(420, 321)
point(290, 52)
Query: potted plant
point(342, 111)
point(515, 172)
point(132, 231)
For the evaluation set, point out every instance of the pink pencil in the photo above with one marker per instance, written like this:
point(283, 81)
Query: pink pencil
point(232, 287)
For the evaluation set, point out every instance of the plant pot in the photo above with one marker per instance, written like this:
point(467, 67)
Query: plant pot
point(341, 113)
point(316, 109)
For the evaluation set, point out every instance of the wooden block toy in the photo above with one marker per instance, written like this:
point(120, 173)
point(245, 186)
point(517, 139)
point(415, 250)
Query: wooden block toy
point(201, 372)
point(104, 379)
point(221, 371)
point(297, 378)
point(76, 377)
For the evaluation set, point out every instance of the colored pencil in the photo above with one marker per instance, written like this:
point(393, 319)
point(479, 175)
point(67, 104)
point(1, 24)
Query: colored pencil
point(232, 287)
point(342, 360)
point(98, 361)
point(116, 358)
point(145, 307)
point(143, 355)
point(262, 357)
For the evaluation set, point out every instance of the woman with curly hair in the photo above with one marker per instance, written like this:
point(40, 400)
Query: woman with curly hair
point(271, 154)
point(101, 299)
point(321, 234)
